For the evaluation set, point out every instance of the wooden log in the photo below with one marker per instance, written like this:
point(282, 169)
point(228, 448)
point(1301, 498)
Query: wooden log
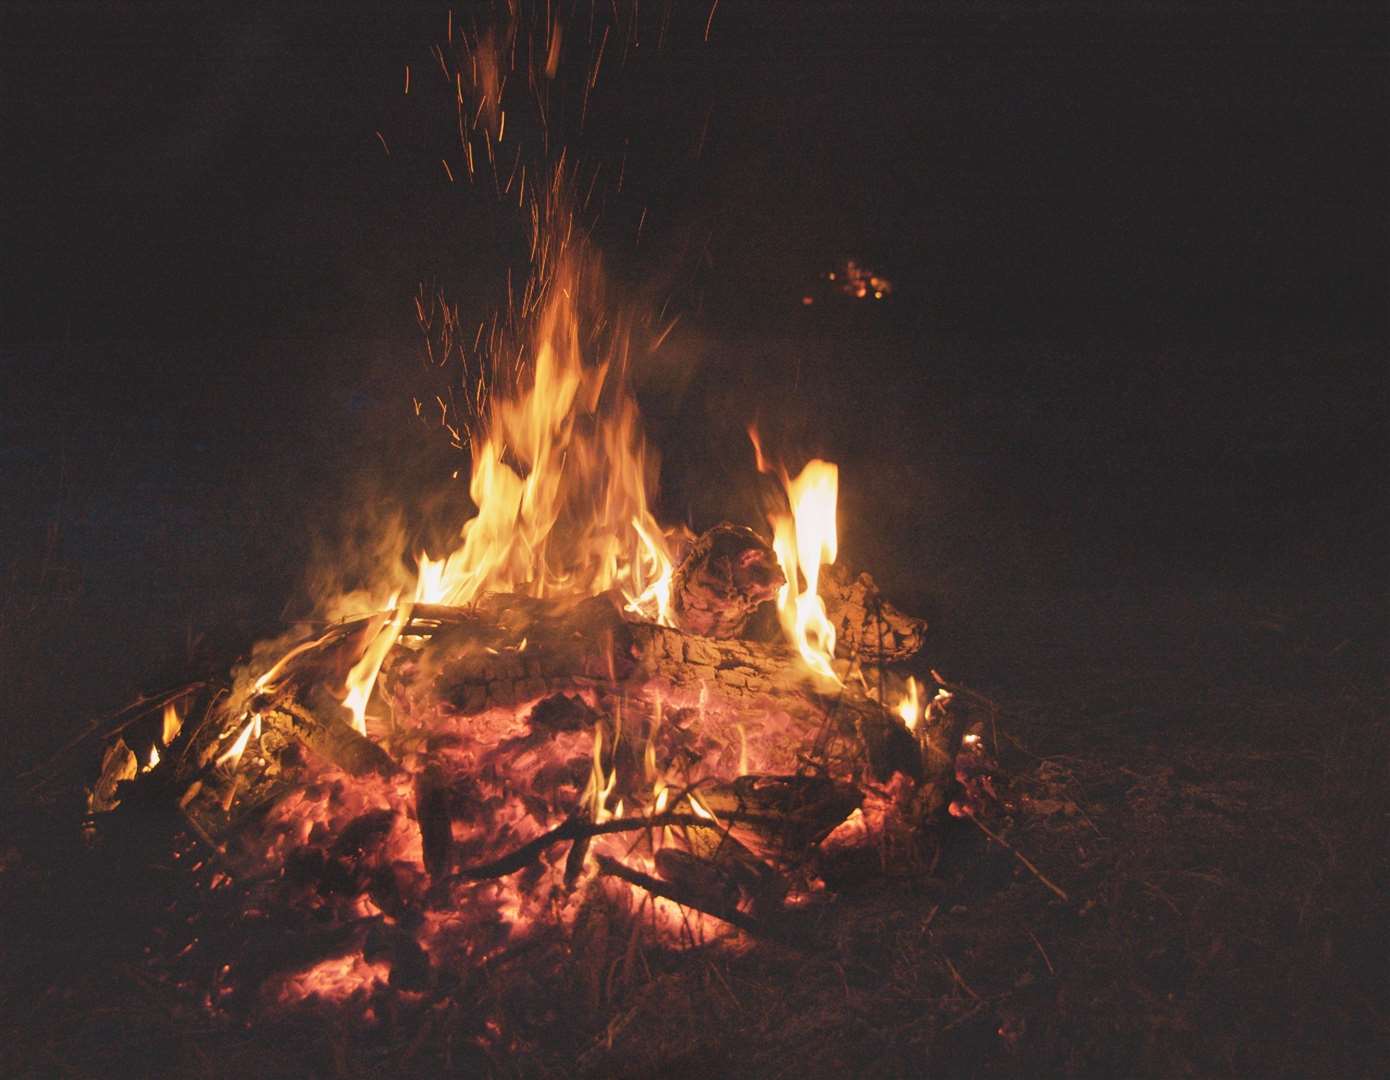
point(867, 627)
point(726, 575)
point(787, 814)
point(331, 739)
point(591, 646)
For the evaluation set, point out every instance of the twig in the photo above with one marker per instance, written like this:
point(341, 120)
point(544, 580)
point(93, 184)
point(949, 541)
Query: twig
point(960, 981)
point(1046, 960)
point(575, 829)
point(1020, 857)
point(731, 915)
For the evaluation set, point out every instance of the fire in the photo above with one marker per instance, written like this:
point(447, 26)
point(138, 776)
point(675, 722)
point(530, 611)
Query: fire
point(910, 707)
point(170, 723)
point(561, 472)
point(493, 807)
point(362, 678)
point(804, 540)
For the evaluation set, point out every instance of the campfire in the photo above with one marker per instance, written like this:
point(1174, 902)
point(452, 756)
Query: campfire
point(572, 709)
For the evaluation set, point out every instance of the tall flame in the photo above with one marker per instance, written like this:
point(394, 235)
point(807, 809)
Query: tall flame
point(362, 678)
point(560, 469)
point(803, 540)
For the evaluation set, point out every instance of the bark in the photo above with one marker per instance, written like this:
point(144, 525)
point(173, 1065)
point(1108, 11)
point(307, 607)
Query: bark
point(331, 739)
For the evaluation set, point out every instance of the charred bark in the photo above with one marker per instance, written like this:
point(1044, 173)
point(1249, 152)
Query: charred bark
point(867, 627)
point(727, 574)
point(517, 652)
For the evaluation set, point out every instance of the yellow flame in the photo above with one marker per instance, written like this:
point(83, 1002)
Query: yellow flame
point(171, 723)
point(560, 469)
point(266, 682)
point(804, 540)
point(154, 758)
point(699, 809)
point(361, 680)
point(910, 706)
point(599, 787)
point(232, 757)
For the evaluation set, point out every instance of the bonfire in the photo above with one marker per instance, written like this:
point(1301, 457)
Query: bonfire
point(572, 715)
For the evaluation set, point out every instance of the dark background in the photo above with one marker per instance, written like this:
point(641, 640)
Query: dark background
point(1136, 343)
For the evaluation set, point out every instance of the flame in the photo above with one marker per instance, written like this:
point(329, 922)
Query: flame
point(804, 540)
point(561, 471)
point(232, 756)
point(171, 723)
point(361, 680)
point(910, 706)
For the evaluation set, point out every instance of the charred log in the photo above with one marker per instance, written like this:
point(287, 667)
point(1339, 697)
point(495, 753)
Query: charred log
point(727, 574)
point(867, 626)
point(331, 739)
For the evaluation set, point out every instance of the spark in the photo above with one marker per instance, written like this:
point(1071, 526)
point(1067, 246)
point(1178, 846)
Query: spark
point(710, 21)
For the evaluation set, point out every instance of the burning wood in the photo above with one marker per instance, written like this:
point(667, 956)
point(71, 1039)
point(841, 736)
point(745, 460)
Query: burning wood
point(531, 745)
point(727, 574)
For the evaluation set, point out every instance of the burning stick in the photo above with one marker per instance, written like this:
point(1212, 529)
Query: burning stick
point(667, 890)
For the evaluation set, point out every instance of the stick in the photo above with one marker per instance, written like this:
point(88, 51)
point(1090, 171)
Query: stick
point(612, 868)
point(574, 829)
point(1020, 857)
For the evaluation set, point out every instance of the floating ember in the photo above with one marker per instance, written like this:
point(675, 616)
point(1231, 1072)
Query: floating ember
point(859, 282)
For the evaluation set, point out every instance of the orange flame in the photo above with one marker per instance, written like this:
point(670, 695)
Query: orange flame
point(362, 678)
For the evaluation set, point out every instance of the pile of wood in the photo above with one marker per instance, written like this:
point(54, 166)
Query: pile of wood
point(578, 686)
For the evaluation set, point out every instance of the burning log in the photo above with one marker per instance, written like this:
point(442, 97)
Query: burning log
point(331, 738)
point(728, 573)
point(470, 798)
point(520, 650)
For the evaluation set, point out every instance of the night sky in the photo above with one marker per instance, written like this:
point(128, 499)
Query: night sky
point(1139, 253)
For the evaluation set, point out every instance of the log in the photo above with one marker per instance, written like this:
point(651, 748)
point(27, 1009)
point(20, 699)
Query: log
point(867, 627)
point(331, 739)
point(728, 573)
point(520, 650)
